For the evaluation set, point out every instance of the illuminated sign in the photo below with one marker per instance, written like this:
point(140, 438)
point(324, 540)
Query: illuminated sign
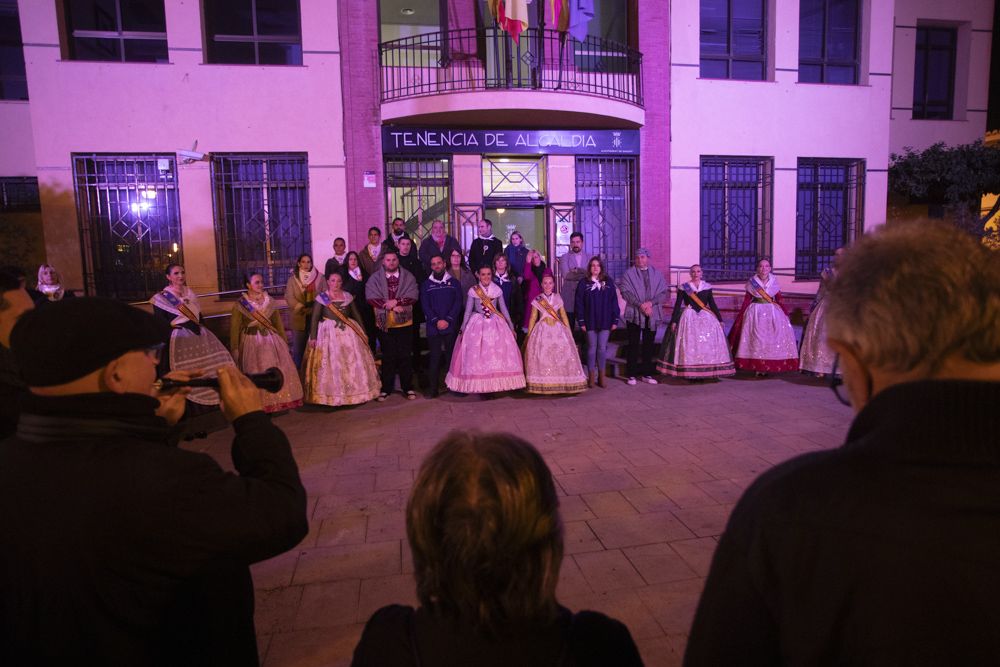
point(425, 140)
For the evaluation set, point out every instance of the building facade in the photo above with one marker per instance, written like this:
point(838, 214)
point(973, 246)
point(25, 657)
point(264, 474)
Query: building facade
point(234, 135)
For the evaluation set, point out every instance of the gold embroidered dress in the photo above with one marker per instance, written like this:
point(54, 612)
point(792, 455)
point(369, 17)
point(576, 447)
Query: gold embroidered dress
point(257, 339)
point(339, 367)
point(551, 361)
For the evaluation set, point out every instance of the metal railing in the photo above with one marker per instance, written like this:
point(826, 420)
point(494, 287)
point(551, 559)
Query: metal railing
point(488, 59)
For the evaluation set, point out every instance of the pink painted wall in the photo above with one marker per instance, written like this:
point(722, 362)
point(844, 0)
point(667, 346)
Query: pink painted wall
point(655, 218)
point(359, 67)
point(780, 118)
point(138, 108)
point(17, 148)
point(974, 21)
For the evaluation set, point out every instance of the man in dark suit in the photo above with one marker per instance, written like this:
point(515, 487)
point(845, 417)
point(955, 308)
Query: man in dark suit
point(485, 247)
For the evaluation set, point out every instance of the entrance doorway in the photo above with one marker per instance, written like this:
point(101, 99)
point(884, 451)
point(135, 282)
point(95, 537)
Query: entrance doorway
point(528, 220)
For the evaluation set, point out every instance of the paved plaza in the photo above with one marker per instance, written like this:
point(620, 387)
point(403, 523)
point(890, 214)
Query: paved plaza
point(647, 474)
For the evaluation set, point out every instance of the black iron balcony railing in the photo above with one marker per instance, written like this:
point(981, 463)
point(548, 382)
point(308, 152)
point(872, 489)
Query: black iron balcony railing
point(488, 59)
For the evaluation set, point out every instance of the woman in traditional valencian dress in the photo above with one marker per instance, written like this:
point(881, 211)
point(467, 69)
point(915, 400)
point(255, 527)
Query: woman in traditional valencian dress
point(696, 346)
point(257, 340)
point(762, 338)
point(486, 358)
point(50, 285)
point(300, 293)
point(816, 357)
point(192, 346)
point(551, 360)
point(339, 366)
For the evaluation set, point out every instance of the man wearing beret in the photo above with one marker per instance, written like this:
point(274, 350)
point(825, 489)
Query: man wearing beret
point(115, 547)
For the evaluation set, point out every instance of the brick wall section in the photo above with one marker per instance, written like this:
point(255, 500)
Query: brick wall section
point(654, 189)
point(359, 35)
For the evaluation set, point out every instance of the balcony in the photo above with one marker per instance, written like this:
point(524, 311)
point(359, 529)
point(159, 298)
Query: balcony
point(470, 60)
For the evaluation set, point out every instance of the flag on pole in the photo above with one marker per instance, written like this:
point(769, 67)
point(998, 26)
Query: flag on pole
point(581, 11)
point(511, 16)
point(559, 14)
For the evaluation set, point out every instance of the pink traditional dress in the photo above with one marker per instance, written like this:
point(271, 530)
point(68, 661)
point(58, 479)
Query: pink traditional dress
point(257, 339)
point(816, 356)
point(551, 360)
point(762, 338)
point(698, 348)
point(192, 346)
point(486, 358)
point(339, 367)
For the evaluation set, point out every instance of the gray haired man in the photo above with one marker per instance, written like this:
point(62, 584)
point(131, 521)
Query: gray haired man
point(644, 290)
point(884, 550)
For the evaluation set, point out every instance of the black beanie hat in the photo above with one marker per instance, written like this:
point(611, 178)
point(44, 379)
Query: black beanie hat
point(65, 340)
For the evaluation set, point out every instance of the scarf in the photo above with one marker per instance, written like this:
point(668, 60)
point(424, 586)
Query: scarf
point(355, 273)
point(502, 278)
point(308, 278)
point(53, 292)
point(445, 278)
point(596, 284)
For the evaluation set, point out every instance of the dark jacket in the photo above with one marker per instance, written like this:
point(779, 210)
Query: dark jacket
point(597, 309)
point(482, 251)
point(12, 389)
point(881, 552)
point(116, 548)
point(332, 266)
point(512, 296)
point(516, 256)
point(404, 637)
point(442, 301)
point(429, 248)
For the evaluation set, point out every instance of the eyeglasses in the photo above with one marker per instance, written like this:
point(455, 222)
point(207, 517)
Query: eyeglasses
point(155, 352)
point(836, 382)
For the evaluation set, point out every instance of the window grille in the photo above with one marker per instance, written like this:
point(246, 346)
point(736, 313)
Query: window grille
point(261, 203)
point(606, 207)
point(13, 81)
point(736, 215)
point(934, 73)
point(419, 191)
point(828, 41)
point(116, 30)
point(828, 212)
point(514, 178)
point(734, 39)
point(19, 194)
point(253, 32)
point(130, 223)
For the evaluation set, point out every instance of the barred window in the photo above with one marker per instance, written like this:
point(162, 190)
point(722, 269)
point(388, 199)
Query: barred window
point(261, 215)
point(828, 41)
point(829, 211)
point(13, 82)
point(418, 190)
point(606, 209)
point(130, 223)
point(116, 30)
point(734, 39)
point(736, 215)
point(253, 32)
point(19, 193)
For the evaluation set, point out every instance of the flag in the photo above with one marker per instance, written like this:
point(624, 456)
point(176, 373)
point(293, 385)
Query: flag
point(581, 11)
point(511, 16)
point(559, 14)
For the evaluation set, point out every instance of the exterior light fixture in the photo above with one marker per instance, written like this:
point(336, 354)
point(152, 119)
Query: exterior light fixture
point(407, 11)
point(501, 211)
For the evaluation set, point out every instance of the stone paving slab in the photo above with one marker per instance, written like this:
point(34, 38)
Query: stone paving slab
point(647, 477)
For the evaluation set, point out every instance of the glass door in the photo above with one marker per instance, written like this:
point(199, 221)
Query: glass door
point(530, 222)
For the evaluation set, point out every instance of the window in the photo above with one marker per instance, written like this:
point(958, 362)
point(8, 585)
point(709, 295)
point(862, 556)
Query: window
point(418, 190)
point(606, 209)
point(253, 32)
point(514, 178)
point(13, 82)
point(130, 223)
point(116, 30)
point(733, 39)
point(19, 194)
point(828, 211)
point(736, 215)
point(934, 73)
point(828, 41)
point(261, 215)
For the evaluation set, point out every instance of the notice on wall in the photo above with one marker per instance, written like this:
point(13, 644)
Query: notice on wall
point(369, 179)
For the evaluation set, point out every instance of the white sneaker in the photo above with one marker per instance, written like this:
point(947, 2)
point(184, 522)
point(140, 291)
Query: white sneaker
point(648, 380)
point(630, 382)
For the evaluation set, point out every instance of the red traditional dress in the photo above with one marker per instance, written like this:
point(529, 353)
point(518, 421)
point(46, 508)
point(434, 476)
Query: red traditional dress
point(762, 338)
